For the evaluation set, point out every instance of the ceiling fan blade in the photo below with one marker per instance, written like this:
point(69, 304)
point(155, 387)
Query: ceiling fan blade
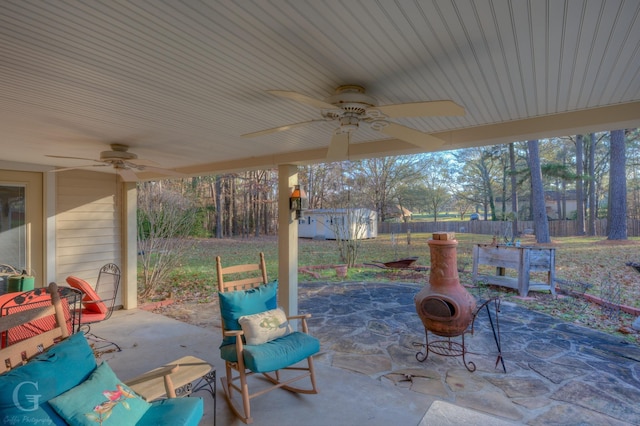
point(73, 158)
point(140, 162)
point(413, 136)
point(299, 97)
point(421, 109)
point(77, 167)
point(278, 129)
point(339, 147)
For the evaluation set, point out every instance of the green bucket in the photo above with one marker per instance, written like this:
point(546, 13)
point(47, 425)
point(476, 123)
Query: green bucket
point(21, 283)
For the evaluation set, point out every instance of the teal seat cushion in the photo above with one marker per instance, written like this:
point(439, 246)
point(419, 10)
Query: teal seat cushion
point(235, 304)
point(175, 411)
point(25, 390)
point(102, 399)
point(275, 354)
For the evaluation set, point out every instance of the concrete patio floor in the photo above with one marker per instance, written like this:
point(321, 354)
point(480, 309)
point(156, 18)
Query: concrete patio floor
point(149, 340)
point(557, 373)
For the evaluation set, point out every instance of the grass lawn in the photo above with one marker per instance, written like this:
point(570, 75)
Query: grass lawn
point(442, 217)
point(591, 260)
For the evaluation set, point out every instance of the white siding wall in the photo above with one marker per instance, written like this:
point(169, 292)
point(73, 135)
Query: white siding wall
point(88, 224)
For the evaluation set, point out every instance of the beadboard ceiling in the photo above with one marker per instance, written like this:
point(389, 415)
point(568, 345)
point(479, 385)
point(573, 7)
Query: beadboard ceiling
point(181, 81)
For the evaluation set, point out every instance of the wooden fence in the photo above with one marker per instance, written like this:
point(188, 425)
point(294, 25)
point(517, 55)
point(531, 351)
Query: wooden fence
point(557, 228)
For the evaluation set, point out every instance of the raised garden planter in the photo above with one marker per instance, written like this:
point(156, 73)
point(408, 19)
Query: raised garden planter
point(523, 259)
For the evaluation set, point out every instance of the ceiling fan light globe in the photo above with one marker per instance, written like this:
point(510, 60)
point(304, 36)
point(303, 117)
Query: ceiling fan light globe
point(349, 123)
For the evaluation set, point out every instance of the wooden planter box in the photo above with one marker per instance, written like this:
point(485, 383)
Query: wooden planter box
point(523, 259)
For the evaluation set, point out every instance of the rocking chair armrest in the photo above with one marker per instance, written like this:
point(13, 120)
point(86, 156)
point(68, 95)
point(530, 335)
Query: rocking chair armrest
point(301, 316)
point(303, 320)
point(236, 334)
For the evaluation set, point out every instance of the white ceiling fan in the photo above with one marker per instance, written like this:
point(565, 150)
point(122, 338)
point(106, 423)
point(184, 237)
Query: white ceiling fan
point(351, 106)
point(126, 163)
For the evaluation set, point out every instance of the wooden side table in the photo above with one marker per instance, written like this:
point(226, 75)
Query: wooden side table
point(193, 375)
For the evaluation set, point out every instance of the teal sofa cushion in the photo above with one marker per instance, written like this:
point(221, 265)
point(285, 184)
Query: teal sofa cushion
point(102, 399)
point(275, 354)
point(25, 390)
point(235, 304)
point(181, 411)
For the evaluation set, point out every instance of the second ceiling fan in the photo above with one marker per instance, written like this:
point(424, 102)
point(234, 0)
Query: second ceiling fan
point(351, 106)
point(125, 162)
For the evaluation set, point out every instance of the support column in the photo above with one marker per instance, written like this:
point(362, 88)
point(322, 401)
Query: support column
point(129, 233)
point(287, 241)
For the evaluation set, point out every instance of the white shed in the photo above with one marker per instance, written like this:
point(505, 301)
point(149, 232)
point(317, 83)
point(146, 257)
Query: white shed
point(358, 223)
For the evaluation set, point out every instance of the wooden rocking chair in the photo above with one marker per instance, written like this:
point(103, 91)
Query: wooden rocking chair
point(257, 337)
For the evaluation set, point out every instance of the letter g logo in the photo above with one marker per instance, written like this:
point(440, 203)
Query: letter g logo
point(34, 399)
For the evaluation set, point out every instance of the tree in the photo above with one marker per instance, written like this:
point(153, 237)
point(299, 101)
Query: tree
point(315, 179)
point(579, 188)
point(437, 198)
point(591, 197)
point(165, 221)
point(478, 177)
point(349, 226)
point(378, 179)
point(462, 204)
point(556, 171)
point(436, 179)
point(617, 208)
point(218, 204)
point(541, 224)
point(633, 171)
point(413, 197)
point(514, 188)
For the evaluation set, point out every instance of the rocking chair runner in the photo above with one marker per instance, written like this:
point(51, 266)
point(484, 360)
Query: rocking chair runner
point(257, 337)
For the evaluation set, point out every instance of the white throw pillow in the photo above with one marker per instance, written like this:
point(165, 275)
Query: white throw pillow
point(264, 326)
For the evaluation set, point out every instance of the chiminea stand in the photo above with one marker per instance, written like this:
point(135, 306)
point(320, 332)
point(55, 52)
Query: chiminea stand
point(449, 347)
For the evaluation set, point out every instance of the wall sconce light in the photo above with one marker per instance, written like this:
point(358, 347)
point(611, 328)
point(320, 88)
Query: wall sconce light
point(298, 200)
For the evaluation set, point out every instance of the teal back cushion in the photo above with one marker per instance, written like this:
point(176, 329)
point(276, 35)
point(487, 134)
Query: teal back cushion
point(101, 399)
point(25, 390)
point(234, 304)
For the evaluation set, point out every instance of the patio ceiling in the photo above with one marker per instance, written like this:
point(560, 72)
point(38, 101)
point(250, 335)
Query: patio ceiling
point(180, 82)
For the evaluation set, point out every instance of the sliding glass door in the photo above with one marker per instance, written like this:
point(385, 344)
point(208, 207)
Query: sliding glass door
point(21, 224)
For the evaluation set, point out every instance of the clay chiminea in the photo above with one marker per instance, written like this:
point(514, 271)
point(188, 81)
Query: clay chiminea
point(444, 305)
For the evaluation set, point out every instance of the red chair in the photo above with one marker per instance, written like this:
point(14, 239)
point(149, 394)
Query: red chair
point(98, 304)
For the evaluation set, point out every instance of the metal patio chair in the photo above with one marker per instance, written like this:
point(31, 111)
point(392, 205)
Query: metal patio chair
point(98, 304)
